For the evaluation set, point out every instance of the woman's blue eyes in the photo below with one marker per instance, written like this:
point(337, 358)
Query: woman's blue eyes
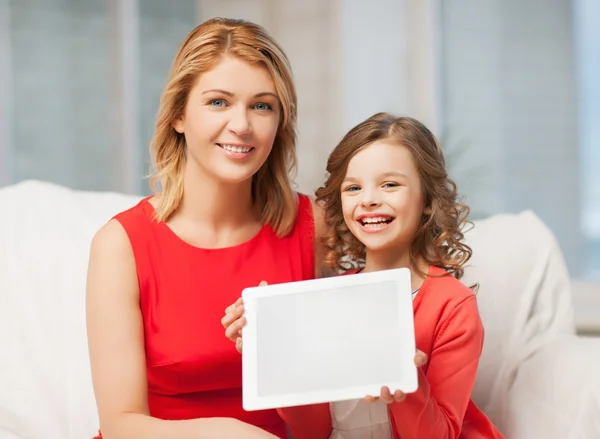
point(263, 107)
point(221, 103)
point(217, 103)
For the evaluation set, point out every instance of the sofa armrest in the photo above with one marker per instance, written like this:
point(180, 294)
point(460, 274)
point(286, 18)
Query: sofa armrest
point(556, 393)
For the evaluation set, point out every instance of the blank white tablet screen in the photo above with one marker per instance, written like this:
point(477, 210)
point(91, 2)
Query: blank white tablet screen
point(326, 344)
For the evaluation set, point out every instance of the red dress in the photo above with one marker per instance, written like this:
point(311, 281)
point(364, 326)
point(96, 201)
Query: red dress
point(194, 371)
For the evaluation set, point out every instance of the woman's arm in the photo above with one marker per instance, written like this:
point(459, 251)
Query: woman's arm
point(116, 347)
point(438, 407)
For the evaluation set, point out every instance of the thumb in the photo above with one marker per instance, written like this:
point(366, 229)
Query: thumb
point(263, 283)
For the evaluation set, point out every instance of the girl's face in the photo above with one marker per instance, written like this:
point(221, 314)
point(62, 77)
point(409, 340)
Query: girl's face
point(382, 197)
point(230, 121)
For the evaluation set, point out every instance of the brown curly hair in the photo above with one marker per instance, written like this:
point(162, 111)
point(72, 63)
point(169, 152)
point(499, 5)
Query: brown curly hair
point(439, 236)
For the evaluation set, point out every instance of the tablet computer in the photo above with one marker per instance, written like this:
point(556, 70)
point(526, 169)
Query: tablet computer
point(326, 340)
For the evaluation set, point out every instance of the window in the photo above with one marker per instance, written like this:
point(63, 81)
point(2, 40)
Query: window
point(587, 40)
point(108, 58)
point(519, 94)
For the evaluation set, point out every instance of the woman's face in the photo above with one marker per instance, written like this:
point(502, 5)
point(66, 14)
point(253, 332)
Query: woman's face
point(230, 121)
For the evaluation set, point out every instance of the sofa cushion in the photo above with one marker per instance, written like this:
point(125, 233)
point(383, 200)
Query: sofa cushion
point(45, 231)
point(524, 299)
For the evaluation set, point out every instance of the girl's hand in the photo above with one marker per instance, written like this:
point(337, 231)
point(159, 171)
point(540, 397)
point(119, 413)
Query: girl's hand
point(398, 396)
point(233, 321)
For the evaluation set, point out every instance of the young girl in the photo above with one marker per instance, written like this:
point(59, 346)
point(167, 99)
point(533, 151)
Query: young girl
point(389, 203)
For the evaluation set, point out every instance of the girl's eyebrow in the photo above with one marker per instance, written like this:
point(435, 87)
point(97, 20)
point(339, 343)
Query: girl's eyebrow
point(393, 174)
point(383, 175)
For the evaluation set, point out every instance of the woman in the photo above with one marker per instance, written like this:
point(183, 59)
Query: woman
point(223, 217)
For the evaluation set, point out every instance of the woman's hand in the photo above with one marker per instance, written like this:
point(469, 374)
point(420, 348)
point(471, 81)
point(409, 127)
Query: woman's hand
point(233, 321)
point(398, 396)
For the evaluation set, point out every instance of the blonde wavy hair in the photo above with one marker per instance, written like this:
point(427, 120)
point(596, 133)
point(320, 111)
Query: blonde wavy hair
point(439, 236)
point(200, 51)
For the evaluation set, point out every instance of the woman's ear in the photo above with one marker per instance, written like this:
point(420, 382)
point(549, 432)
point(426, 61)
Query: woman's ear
point(178, 125)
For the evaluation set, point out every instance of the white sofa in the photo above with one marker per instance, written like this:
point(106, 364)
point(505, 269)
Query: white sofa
point(537, 379)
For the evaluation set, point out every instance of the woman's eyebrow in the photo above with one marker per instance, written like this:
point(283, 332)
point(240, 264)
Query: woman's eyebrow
point(228, 93)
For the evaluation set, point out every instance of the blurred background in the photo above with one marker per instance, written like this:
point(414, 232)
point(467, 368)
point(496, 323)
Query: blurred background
point(511, 88)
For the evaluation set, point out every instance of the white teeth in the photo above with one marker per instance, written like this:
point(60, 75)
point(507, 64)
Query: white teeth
point(234, 148)
point(376, 226)
point(376, 219)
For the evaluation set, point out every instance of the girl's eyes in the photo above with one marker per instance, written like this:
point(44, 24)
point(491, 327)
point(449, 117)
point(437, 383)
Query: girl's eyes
point(387, 185)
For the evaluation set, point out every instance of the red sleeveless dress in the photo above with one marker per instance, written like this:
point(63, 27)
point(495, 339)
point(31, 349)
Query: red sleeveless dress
point(193, 370)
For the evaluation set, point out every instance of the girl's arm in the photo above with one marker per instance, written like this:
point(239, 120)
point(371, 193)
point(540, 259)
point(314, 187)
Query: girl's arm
point(437, 408)
point(116, 345)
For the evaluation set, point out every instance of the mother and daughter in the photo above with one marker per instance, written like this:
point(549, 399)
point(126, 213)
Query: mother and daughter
point(224, 217)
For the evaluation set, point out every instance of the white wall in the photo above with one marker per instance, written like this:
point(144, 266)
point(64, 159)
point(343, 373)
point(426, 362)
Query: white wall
point(388, 50)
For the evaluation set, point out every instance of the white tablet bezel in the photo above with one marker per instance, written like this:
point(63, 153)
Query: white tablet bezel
point(407, 378)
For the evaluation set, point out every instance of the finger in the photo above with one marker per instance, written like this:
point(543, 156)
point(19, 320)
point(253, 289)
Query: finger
point(238, 344)
point(399, 396)
point(225, 320)
point(232, 315)
point(233, 331)
point(263, 283)
point(234, 305)
point(386, 396)
point(420, 358)
point(370, 398)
